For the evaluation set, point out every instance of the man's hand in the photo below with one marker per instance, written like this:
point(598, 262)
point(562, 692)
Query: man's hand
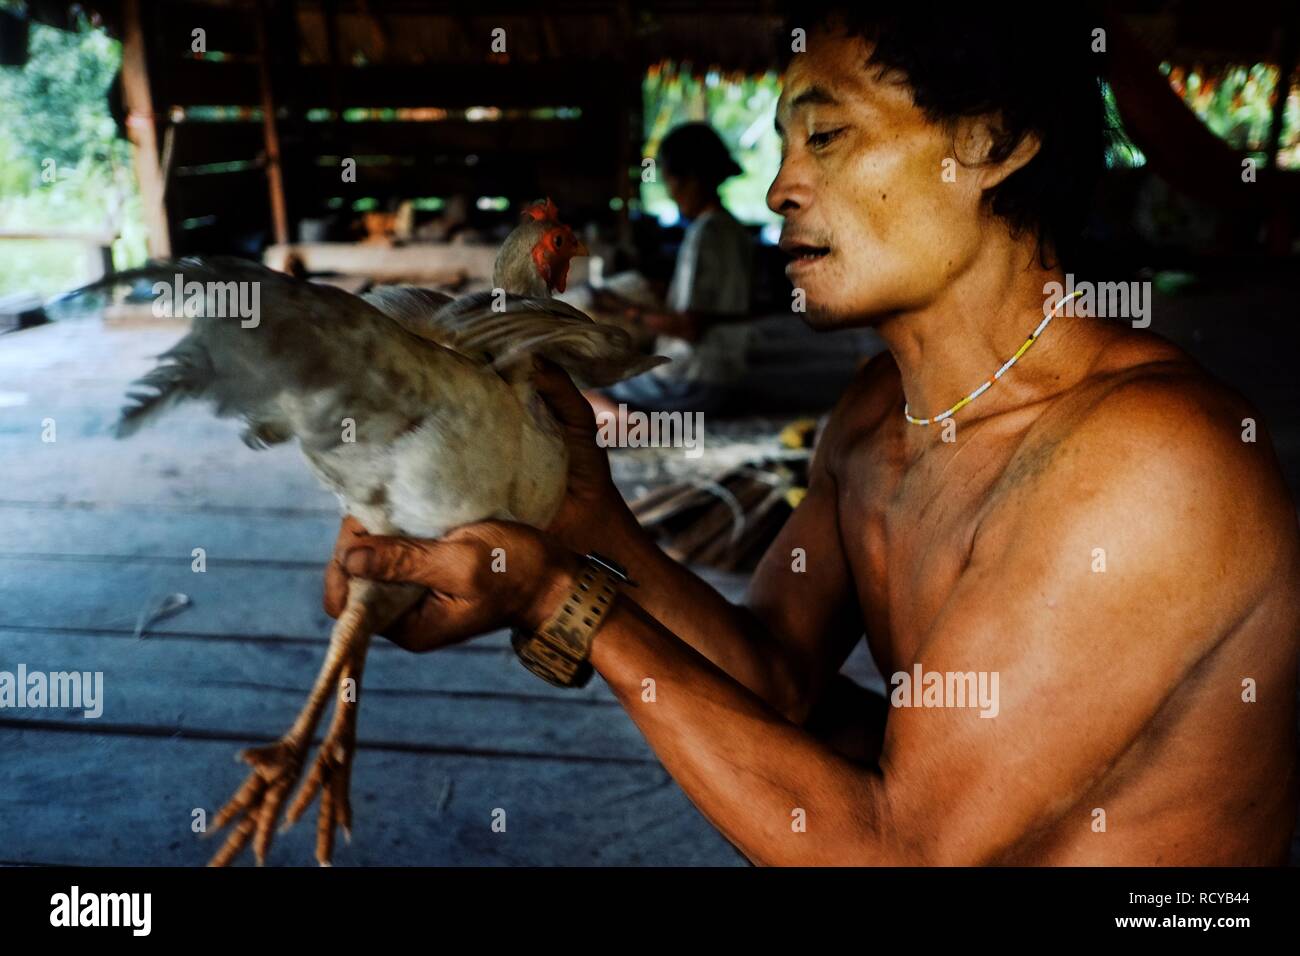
point(606, 300)
point(594, 516)
point(466, 597)
point(336, 579)
point(479, 578)
point(681, 325)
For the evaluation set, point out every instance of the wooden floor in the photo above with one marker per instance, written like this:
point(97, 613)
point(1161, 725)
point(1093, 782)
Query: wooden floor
point(94, 532)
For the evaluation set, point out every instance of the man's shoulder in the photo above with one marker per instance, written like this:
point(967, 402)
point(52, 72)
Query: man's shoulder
point(1153, 450)
point(1148, 397)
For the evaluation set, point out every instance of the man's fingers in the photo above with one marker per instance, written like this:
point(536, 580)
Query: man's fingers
point(349, 531)
point(439, 620)
point(562, 396)
point(438, 565)
point(336, 588)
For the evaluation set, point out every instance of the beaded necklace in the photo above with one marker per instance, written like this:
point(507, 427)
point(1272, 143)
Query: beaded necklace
point(1033, 337)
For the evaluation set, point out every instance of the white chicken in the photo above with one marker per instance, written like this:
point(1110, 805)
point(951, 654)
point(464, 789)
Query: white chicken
point(419, 411)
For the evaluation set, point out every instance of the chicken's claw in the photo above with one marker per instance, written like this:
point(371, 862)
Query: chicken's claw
point(276, 767)
point(331, 776)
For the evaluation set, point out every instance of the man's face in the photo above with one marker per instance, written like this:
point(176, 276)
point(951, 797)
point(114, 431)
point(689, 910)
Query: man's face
point(873, 225)
point(686, 193)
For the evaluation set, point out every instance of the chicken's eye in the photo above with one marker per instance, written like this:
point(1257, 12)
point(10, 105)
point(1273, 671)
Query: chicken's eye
point(559, 241)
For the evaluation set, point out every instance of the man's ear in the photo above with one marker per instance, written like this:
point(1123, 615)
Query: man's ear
point(982, 144)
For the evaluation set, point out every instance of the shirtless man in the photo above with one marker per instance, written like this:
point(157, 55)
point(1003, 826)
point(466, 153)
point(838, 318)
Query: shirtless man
point(1097, 534)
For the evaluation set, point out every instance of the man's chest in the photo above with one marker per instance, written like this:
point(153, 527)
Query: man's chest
point(909, 525)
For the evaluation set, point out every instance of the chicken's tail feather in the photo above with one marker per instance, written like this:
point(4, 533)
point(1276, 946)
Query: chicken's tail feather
point(256, 336)
point(184, 372)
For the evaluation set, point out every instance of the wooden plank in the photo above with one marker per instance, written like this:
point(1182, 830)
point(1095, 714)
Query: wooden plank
point(75, 374)
point(116, 533)
point(570, 82)
point(484, 668)
point(580, 190)
point(462, 137)
point(213, 192)
point(493, 172)
point(131, 799)
point(109, 595)
point(227, 29)
point(85, 593)
point(388, 264)
point(59, 235)
point(207, 83)
point(249, 692)
point(190, 464)
point(198, 143)
point(268, 603)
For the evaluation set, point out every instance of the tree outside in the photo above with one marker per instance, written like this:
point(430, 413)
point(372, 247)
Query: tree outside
point(63, 166)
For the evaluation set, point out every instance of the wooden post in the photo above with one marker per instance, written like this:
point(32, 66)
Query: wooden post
point(631, 123)
point(330, 10)
point(142, 128)
point(271, 135)
point(1286, 61)
point(1280, 229)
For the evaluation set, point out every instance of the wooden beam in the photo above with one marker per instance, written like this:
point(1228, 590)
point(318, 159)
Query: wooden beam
point(271, 134)
point(1281, 227)
point(334, 46)
point(142, 128)
point(570, 82)
point(1288, 41)
point(631, 123)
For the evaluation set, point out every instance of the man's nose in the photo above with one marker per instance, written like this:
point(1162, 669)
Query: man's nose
point(789, 191)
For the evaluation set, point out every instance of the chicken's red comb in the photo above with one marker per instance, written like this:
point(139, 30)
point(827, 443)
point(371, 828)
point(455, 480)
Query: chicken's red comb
point(541, 211)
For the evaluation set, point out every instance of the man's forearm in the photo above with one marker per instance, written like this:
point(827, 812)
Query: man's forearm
point(727, 634)
point(770, 787)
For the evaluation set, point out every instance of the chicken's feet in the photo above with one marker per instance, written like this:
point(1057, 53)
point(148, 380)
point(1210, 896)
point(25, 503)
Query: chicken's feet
point(331, 775)
point(276, 767)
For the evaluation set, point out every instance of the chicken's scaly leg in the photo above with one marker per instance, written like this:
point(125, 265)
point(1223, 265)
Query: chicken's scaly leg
point(276, 767)
point(332, 773)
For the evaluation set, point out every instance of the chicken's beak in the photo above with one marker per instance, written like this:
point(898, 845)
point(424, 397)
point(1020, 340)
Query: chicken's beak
point(581, 249)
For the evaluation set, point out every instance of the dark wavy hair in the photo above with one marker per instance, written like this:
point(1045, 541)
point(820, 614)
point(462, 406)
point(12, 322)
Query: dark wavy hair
point(1034, 67)
point(696, 150)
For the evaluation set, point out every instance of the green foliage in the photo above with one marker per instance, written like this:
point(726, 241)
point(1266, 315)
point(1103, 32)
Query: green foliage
point(1236, 103)
point(62, 166)
point(56, 102)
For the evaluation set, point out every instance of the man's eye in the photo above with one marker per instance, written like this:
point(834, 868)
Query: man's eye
point(818, 140)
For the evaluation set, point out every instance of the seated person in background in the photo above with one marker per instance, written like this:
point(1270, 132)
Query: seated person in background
point(700, 328)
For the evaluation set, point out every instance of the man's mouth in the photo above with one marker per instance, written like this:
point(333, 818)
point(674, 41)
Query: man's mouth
point(804, 256)
point(801, 251)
